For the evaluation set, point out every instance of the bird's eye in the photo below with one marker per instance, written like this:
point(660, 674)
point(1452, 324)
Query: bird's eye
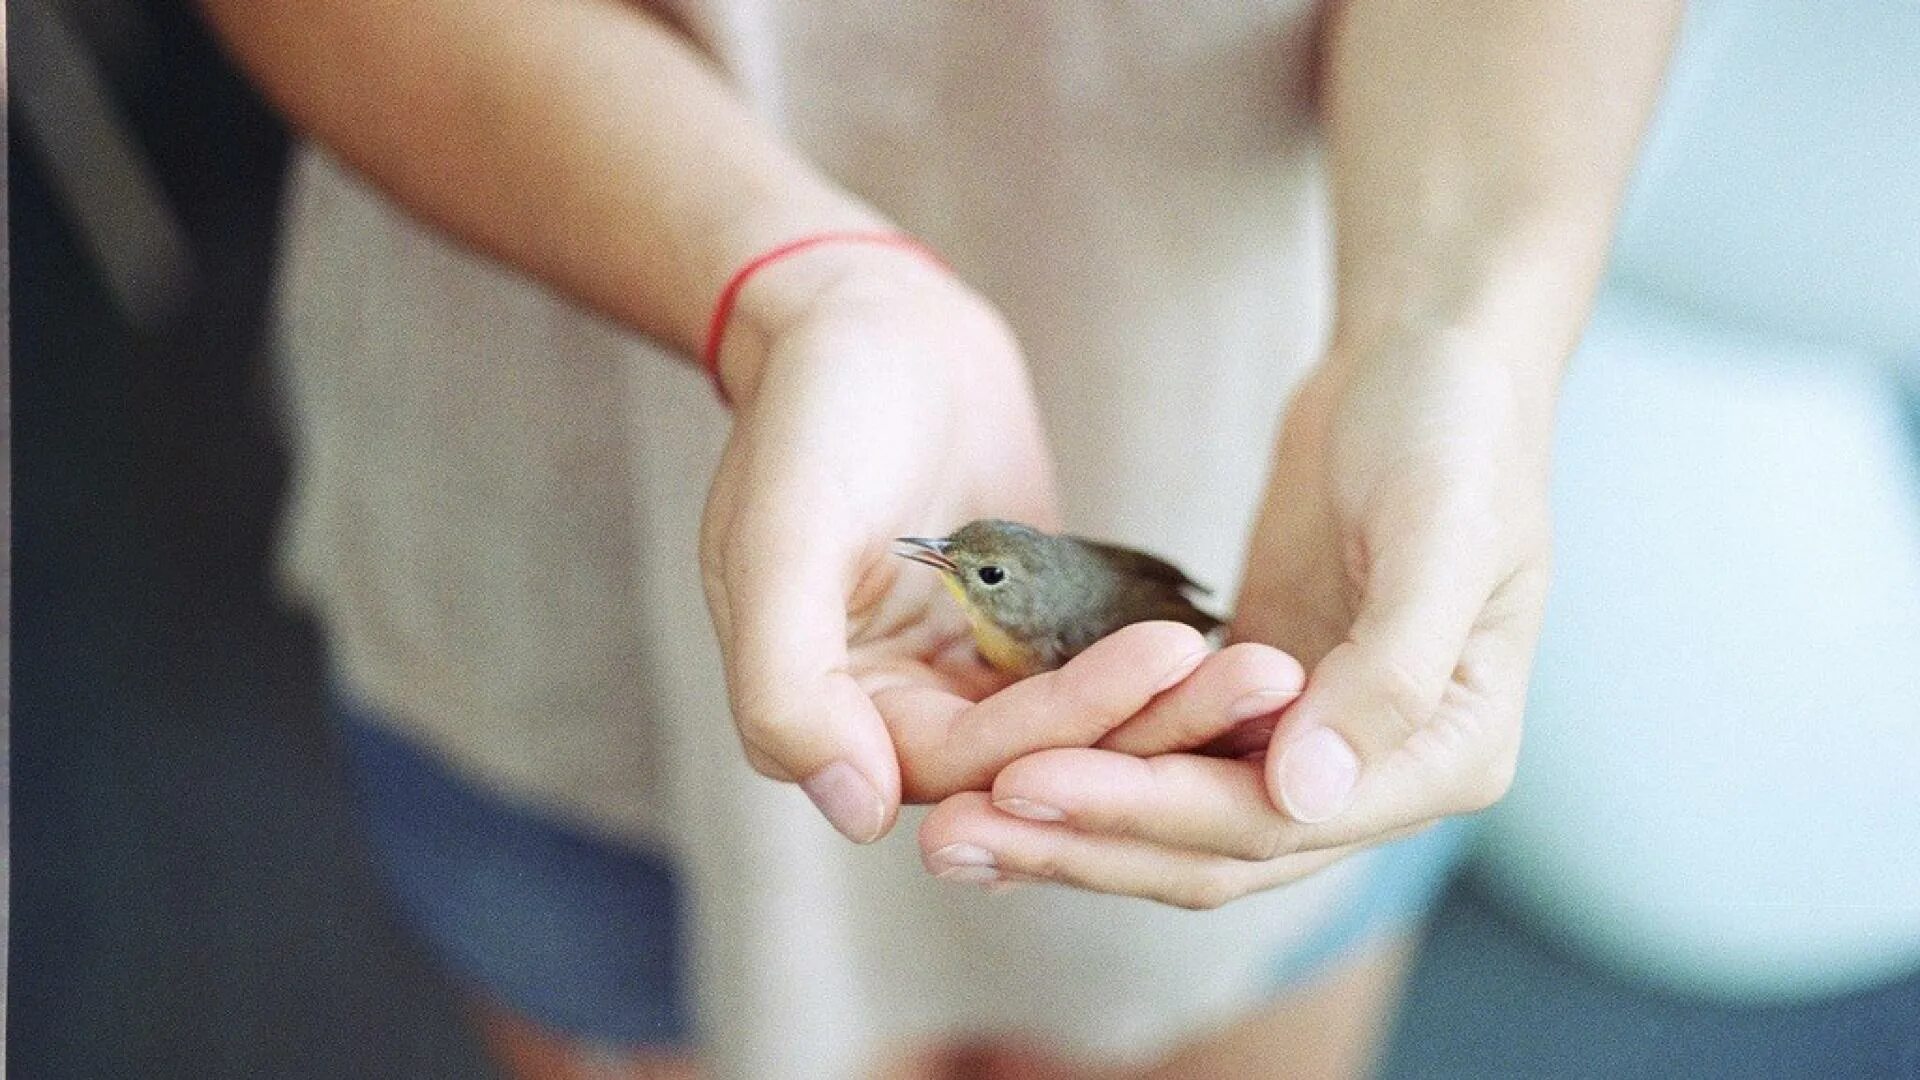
point(990, 575)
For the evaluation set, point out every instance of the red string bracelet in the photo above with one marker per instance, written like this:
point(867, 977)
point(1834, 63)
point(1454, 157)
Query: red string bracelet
point(723, 308)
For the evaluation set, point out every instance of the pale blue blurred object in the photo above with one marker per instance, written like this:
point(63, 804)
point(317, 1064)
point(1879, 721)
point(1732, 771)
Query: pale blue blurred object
point(1720, 785)
point(1779, 193)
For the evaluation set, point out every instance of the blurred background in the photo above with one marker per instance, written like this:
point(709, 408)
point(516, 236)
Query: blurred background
point(189, 896)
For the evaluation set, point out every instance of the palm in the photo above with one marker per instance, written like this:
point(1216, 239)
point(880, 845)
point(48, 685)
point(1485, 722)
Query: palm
point(848, 669)
point(1405, 538)
point(864, 430)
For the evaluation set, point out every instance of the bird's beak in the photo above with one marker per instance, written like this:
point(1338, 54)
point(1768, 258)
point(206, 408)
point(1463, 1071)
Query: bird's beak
point(927, 552)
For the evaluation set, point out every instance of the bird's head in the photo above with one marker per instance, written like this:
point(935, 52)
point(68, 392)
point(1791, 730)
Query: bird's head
point(1016, 577)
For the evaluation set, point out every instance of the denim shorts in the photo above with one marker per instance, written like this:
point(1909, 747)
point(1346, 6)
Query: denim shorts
point(585, 936)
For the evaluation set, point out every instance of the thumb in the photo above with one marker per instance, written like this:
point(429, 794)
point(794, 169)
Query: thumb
point(801, 715)
point(1368, 694)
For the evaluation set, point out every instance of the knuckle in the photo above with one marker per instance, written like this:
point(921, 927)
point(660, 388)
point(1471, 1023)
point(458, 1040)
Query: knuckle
point(1248, 841)
point(1403, 693)
point(1123, 819)
point(1046, 864)
point(1272, 843)
point(1251, 848)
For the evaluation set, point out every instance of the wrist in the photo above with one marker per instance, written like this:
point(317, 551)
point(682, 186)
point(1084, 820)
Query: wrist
point(846, 283)
point(1490, 377)
point(1520, 304)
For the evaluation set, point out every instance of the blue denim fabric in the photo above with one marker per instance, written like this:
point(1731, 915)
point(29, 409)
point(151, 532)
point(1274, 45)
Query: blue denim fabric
point(1403, 884)
point(584, 936)
point(579, 934)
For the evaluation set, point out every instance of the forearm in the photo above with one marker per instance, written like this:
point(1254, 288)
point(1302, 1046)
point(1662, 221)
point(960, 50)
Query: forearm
point(1478, 153)
point(580, 140)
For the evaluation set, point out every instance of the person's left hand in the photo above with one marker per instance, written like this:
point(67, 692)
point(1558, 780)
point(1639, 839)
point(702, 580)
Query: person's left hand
point(1402, 553)
point(891, 399)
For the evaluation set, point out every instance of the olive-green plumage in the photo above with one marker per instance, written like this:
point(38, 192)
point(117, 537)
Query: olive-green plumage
point(1036, 599)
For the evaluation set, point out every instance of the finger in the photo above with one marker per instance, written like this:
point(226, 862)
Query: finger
point(800, 714)
point(1204, 805)
point(1237, 685)
point(1199, 804)
point(966, 840)
point(1368, 694)
point(948, 744)
point(1461, 758)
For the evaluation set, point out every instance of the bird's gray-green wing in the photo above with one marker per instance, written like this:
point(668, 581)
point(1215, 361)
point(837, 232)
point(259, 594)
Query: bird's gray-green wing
point(1179, 609)
point(1133, 563)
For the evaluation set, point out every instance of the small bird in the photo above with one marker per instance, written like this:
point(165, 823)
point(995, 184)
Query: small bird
point(1036, 600)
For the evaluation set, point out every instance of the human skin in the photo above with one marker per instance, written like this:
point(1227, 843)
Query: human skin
point(1478, 152)
point(589, 145)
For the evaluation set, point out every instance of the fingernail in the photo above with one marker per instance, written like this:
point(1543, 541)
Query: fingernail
point(969, 875)
point(848, 800)
point(964, 863)
point(1180, 671)
point(1259, 703)
point(1317, 774)
point(1028, 809)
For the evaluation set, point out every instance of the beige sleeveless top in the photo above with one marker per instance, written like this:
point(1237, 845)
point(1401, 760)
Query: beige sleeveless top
point(496, 495)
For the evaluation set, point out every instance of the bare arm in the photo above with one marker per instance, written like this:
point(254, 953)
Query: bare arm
point(1479, 151)
point(589, 144)
point(583, 141)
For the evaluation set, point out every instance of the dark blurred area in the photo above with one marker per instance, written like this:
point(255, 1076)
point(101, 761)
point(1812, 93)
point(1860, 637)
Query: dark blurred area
point(190, 898)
